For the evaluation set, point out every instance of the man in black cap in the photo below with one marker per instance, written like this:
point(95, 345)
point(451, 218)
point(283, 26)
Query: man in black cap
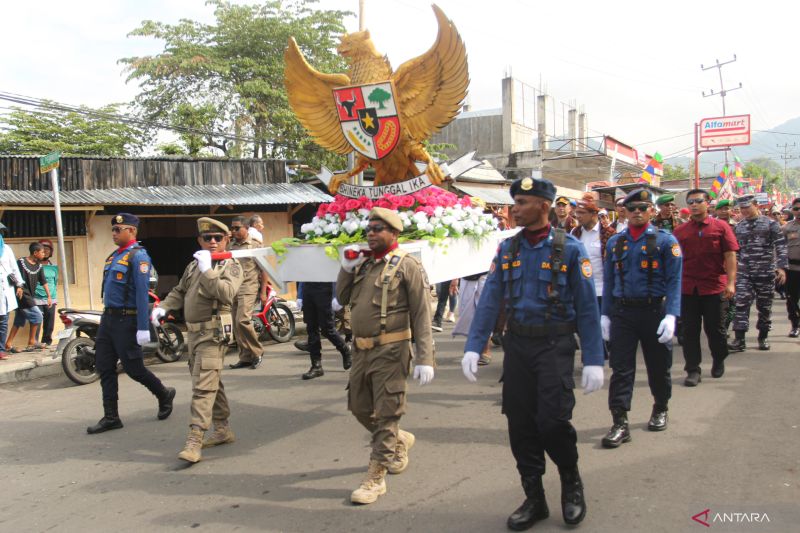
point(544, 278)
point(124, 327)
point(641, 302)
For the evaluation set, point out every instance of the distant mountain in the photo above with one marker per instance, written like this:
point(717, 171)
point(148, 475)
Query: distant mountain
point(762, 144)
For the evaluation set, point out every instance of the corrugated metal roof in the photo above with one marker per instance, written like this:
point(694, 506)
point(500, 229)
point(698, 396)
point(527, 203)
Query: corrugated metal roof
point(498, 195)
point(188, 195)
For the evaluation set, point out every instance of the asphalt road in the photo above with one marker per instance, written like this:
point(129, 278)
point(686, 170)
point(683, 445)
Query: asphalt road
point(732, 446)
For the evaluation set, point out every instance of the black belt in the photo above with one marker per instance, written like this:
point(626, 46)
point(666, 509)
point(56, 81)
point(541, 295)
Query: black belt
point(540, 330)
point(639, 302)
point(119, 311)
point(794, 261)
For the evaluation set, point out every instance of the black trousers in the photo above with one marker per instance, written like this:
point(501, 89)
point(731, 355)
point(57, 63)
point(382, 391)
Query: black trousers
point(318, 316)
point(792, 297)
point(48, 322)
point(709, 310)
point(538, 399)
point(116, 341)
point(629, 327)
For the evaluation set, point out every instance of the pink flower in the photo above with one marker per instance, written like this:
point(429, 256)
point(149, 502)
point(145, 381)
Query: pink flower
point(352, 204)
point(428, 210)
point(406, 201)
point(465, 201)
point(383, 202)
point(323, 209)
point(366, 203)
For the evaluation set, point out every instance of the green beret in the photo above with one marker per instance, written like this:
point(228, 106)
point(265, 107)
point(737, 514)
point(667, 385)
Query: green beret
point(723, 203)
point(665, 198)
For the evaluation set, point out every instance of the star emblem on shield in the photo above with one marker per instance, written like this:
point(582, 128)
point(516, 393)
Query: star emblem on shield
point(369, 118)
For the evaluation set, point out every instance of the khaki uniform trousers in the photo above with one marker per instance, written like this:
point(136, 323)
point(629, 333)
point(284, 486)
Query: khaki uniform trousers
point(250, 347)
point(377, 394)
point(206, 356)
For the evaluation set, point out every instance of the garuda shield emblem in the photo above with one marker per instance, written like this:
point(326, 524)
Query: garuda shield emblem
point(368, 117)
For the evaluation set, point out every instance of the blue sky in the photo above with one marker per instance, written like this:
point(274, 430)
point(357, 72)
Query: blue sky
point(633, 66)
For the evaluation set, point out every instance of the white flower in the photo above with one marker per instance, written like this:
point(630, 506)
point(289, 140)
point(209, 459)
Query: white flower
point(307, 228)
point(448, 220)
point(438, 210)
point(363, 212)
point(469, 225)
point(420, 218)
point(458, 227)
point(332, 228)
point(428, 228)
point(364, 223)
point(478, 230)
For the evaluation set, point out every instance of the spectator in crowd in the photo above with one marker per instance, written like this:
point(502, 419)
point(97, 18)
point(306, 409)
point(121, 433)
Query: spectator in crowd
point(621, 223)
point(791, 232)
point(444, 296)
point(40, 297)
point(27, 312)
point(602, 216)
point(723, 211)
point(564, 218)
point(666, 218)
point(684, 215)
point(469, 290)
point(10, 288)
point(256, 229)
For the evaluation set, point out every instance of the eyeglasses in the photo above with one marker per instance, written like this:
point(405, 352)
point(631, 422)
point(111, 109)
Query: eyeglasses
point(119, 229)
point(796, 209)
point(695, 201)
point(639, 207)
point(375, 228)
point(216, 237)
point(236, 228)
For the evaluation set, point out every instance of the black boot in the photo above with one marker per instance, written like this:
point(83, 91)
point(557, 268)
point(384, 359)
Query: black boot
point(533, 508)
point(738, 345)
point(763, 344)
point(165, 403)
point(109, 421)
point(619, 432)
point(347, 356)
point(573, 506)
point(795, 332)
point(658, 420)
point(315, 371)
point(301, 345)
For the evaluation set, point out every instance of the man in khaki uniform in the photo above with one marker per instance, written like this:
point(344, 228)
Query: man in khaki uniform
point(205, 292)
point(389, 296)
point(250, 348)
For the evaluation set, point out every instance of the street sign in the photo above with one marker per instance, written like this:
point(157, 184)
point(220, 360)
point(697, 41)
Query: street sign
point(720, 132)
point(49, 162)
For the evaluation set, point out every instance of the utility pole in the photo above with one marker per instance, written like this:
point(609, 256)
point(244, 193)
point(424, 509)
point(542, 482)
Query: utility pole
point(361, 24)
point(722, 91)
point(786, 157)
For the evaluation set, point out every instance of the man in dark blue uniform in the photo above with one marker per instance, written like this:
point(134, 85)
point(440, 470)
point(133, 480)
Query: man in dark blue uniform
point(124, 327)
point(544, 276)
point(641, 301)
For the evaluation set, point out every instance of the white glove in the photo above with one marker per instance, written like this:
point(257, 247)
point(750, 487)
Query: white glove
point(605, 328)
point(335, 305)
point(203, 260)
point(143, 336)
point(300, 303)
point(349, 265)
point(424, 373)
point(157, 314)
point(469, 366)
point(592, 378)
point(666, 329)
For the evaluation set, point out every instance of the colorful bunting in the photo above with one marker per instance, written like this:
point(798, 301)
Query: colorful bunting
point(718, 183)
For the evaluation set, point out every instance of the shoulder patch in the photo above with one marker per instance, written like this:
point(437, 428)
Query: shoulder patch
point(676, 250)
point(586, 268)
point(144, 267)
point(234, 269)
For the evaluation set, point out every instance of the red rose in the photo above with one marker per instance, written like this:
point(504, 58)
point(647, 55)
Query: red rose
point(323, 209)
point(352, 205)
point(406, 201)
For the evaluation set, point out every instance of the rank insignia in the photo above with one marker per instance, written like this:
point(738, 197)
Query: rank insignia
point(119, 275)
point(119, 219)
point(586, 268)
point(144, 267)
point(676, 250)
point(644, 263)
point(644, 195)
point(527, 184)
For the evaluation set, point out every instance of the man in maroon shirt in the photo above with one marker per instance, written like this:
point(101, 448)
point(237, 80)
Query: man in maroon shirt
point(709, 280)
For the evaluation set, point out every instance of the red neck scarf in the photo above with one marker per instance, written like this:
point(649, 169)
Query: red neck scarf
point(378, 256)
point(123, 248)
point(637, 232)
point(536, 236)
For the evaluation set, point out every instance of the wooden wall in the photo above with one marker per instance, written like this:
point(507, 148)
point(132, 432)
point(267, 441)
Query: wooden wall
point(22, 173)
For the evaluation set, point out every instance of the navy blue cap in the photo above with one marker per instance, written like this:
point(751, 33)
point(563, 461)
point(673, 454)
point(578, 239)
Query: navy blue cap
point(639, 195)
point(126, 219)
point(534, 187)
point(744, 201)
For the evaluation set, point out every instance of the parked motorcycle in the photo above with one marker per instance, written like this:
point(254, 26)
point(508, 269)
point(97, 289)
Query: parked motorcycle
point(76, 343)
point(273, 318)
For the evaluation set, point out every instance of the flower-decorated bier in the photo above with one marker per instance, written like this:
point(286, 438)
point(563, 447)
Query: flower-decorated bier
point(452, 236)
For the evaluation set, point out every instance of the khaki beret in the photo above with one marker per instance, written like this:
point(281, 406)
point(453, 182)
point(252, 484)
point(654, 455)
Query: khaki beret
point(209, 225)
point(388, 216)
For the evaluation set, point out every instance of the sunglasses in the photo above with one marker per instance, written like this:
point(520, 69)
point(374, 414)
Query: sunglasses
point(695, 201)
point(796, 209)
point(638, 207)
point(118, 229)
point(375, 228)
point(216, 237)
point(236, 228)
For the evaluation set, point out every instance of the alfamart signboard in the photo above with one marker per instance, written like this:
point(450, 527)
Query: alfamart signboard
point(720, 132)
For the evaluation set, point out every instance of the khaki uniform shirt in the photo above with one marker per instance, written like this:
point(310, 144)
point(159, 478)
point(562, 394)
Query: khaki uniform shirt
point(251, 273)
point(196, 292)
point(791, 230)
point(408, 302)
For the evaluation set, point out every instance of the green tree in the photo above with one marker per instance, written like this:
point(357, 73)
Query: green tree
point(379, 96)
point(675, 172)
point(83, 132)
point(228, 76)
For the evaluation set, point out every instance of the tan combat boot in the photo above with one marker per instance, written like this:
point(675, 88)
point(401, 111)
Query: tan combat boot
point(405, 441)
point(374, 484)
point(222, 435)
point(194, 442)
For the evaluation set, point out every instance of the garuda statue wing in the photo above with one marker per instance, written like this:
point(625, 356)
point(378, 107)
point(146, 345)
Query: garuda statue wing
point(311, 97)
point(431, 88)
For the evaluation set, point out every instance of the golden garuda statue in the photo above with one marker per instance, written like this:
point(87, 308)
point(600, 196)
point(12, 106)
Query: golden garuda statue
point(382, 114)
